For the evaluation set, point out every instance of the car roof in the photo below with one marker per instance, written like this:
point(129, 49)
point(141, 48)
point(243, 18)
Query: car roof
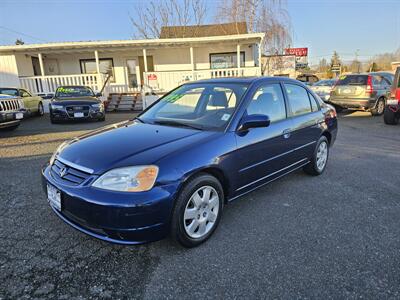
point(9, 88)
point(246, 80)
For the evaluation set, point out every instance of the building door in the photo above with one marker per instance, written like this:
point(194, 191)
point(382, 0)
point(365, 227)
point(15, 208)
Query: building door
point(150, 67)
point(131, 72)
point(36, 66)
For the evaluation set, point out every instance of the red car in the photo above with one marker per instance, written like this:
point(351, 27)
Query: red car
point(392, 109)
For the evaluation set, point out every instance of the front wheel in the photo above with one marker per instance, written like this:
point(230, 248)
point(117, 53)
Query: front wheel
point(390, 117)
point(319, 159)
point(197, 211)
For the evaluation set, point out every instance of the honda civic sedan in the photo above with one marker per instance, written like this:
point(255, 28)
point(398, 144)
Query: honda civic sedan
point(172, 169)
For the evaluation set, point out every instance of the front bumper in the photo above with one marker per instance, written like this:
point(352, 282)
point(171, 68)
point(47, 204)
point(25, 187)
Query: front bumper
point(122, 218)
point(8, 119)
point(63, 115)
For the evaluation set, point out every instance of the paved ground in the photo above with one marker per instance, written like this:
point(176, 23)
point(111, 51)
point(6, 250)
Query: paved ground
point(333, 236)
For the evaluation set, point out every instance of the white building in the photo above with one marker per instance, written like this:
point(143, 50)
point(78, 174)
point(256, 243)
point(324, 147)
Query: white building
point(159, 64)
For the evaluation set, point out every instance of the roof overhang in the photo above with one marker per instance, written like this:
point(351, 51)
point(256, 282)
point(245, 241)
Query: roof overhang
point(129, 44)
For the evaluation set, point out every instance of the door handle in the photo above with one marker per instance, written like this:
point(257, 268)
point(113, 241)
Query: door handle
point(286, 133)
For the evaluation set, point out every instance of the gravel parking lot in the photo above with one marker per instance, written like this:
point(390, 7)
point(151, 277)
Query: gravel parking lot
point(333, 236)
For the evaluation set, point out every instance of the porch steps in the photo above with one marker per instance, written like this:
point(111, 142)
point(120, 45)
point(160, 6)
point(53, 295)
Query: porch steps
point(124, 102)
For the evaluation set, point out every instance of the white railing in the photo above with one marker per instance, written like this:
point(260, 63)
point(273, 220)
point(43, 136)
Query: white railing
point(49, 84)
point(168, 80)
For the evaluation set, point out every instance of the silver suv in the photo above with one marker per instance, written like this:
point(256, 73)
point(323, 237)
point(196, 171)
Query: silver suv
point(367, 91)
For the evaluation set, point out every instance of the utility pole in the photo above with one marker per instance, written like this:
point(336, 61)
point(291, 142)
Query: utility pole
point(358, 63)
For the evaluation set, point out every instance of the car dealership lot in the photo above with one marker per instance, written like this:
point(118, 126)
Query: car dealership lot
point(336, 235)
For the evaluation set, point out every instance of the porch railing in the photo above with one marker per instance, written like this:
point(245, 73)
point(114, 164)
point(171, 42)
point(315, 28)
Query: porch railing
point(167, 80)
point(48, 84)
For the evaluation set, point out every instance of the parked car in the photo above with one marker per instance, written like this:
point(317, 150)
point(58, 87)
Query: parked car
point(174, 167)
point(33, 104)
point(323, 88)
point(308, 79)
point(392, 110)
point(10, 112)
point(361, 91)
point(388, 75)
point(76, 103)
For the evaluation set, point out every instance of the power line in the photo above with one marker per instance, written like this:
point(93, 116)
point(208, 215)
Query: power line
point(21, 33)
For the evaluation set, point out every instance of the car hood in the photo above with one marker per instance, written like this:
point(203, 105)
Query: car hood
point(128, 143)
point(75, 101)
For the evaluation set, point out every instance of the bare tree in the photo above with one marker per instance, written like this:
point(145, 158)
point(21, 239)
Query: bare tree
point(269, 16)
point(153, 15)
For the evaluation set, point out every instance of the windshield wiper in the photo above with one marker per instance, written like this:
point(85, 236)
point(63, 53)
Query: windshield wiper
point(178, 124)
point(139, 119)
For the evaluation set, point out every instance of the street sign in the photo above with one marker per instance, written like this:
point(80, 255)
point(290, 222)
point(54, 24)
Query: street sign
point(297, 51)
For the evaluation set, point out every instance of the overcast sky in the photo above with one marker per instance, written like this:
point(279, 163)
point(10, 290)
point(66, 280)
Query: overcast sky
point(371, 27)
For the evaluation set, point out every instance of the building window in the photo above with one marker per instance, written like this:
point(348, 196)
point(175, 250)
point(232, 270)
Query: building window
point(225, 60)
point(106, 65)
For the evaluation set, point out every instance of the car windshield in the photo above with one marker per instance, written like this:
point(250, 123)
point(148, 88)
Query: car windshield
point(74, 91)
point(11, 92)
point(207, 106)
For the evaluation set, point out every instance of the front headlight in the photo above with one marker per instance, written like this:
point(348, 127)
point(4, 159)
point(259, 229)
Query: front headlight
point(98, 105)
point(59, 149)
point(55, 106)
point(128, 179)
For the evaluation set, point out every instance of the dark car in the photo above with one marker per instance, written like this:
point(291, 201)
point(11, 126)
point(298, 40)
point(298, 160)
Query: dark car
point(367, 92)
point(172, 169)
point(392, 110)
point(76, 103)
point(11, 112)
point(308, 79)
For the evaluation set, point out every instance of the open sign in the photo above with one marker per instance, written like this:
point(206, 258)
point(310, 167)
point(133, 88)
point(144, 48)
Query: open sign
point(152, 77)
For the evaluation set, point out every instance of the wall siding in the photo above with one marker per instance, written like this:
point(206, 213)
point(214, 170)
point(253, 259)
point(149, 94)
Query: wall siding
point(8, 71)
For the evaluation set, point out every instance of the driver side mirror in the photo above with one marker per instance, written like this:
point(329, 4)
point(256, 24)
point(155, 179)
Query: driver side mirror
point(254, 121)
point(98, 94)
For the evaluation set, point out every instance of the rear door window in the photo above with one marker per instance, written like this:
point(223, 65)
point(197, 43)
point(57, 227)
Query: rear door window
point(299, 101)
point(313, 102)
point(353, 80)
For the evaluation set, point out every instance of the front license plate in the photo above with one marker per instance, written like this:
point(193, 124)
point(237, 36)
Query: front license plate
point(19, 116)
point(54, 197)
point(78, 115)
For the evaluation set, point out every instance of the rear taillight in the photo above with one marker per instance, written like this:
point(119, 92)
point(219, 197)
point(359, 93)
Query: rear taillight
point(370, 88)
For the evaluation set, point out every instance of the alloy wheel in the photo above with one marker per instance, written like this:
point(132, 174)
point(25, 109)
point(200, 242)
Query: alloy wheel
point(381, 107)
point(201, 212)
point(322, 155)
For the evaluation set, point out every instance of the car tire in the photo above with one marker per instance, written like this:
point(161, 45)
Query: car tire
point(390, 117)
point(52, 121)
point(197, 210)
point(40, 111)
point(338, 108)
point(379, 107)
point(102, 119)
point(319, 158)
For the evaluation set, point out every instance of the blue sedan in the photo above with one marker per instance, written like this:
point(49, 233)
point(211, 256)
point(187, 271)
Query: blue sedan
point(172, 169)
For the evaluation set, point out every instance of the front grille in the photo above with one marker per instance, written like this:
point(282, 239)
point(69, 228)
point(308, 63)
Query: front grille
point(78, 108)
point(9, 105)
point(63, 172)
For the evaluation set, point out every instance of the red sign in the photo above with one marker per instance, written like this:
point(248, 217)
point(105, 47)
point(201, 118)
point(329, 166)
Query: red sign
point(296, 51)
point(152, 77)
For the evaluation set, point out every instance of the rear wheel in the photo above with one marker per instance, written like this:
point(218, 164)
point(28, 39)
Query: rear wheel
point(319, 159)
point(390, 117)
point(40, 109)
point(197, 211)
point(379, 107)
